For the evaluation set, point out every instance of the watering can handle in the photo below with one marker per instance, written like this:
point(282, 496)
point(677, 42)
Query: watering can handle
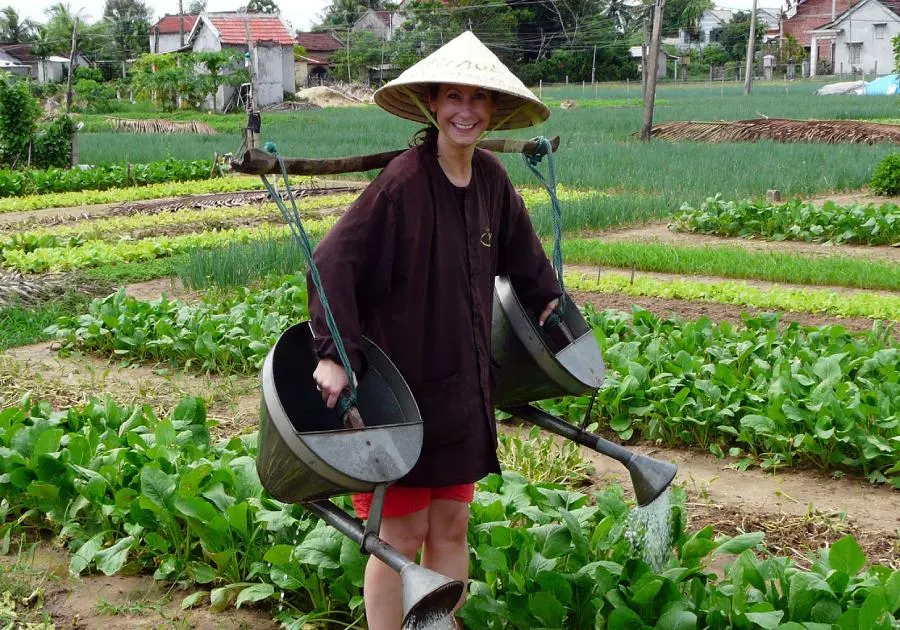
point(350, 413)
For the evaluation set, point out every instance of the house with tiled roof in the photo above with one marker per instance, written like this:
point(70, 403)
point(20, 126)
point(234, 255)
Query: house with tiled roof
point(802, 17)
point(272, 43)
point(313, 67)
point(382, 24)
point(860, 37)
point(166, 34)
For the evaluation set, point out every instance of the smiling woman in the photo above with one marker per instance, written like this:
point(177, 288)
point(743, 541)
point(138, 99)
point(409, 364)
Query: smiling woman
point(411, 265)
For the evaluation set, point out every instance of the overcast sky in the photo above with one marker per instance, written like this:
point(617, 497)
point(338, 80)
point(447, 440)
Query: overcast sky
point(300, 13)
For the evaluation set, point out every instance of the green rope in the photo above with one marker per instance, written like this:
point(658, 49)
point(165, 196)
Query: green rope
point(532, 160)
point(292, 218)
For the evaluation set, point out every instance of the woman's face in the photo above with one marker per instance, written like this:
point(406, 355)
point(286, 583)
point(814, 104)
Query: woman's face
point(462, 112)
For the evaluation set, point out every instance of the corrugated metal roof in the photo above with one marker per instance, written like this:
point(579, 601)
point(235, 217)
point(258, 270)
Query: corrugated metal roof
point(263, 28)
point(171, 24)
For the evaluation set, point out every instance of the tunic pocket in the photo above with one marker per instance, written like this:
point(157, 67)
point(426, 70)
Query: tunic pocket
point(444, 413)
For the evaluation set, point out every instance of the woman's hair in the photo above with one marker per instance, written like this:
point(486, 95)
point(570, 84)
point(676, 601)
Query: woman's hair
point(427, 136)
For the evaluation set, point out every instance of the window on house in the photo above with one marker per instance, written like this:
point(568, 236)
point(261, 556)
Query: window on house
point(879, 31)
point(855, 50)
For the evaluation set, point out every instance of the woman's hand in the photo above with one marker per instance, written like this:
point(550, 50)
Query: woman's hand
point(551, 306)
point(331, 380)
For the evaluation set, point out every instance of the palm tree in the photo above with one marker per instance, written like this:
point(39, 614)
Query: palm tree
point(13, 29)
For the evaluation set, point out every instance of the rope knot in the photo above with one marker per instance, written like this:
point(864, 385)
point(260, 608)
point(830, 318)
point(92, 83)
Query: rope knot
point(270, 147)
point(541, 149)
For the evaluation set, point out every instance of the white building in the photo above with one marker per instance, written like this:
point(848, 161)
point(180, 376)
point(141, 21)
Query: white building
point(273, 47)
point(165, 35)
point(711, 21)
point(862, 37)
point(662, 64)
point(382, 24)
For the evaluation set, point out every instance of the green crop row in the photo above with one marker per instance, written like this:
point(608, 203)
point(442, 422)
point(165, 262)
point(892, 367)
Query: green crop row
point(225, 333)
point(770, 396)
point(119, 227)
point(778, 396)
point(56, 180)
point(796, 220)
point(807, 300)
point(126, 490)
point(734, 262)
point(93, 252)
point(133, 193)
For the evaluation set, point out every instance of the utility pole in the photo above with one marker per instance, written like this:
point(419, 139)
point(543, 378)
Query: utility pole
point(594, 65)
point(180, 22)
point(751, 51)
point(653, 63)
point(254, 121)
point(71, 66)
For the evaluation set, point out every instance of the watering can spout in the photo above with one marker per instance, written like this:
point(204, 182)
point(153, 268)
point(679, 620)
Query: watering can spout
point(650, 477)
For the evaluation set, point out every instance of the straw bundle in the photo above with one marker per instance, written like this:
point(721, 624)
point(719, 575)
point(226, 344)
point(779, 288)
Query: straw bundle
point(158, 126)
point(779, 130)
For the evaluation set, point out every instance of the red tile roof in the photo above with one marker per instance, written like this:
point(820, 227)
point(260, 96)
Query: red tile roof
point(263, 28)
point(170, 24)
point(319, 42)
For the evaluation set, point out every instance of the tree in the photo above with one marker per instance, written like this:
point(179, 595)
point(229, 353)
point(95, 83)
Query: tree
point(13, 29)
point(262, 6)
point(623, 14)
point(683, 14)
point(365, 52)
point(129, 24)
point(734, 35)
point(197, 6)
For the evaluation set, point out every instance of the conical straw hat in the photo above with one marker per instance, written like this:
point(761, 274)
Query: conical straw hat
point(464, 61)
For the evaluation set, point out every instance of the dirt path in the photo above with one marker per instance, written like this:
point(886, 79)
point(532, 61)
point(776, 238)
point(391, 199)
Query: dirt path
point(232, 401)
point(660, 233)
point(122, 602)
point(760, 284)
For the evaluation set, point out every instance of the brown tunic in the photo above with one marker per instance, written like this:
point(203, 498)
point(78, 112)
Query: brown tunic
point(411, 265)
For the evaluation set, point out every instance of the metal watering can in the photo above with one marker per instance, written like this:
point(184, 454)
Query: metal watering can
point(533, 363)
point(306, 455)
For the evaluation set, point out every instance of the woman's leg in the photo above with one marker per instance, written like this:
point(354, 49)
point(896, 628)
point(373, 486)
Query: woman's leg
point(446, 543)
point(382, 592)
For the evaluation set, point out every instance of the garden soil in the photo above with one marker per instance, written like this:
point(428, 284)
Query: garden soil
point(660, 233)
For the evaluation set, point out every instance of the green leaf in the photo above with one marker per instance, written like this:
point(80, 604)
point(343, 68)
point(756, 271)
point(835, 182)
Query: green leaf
point(157, 486)
point(677, 620)
point(254, 593)
point(758, 424)
point(193, 599)
point(768, 620)
point(547, 608)
point(847, 556)
point(805, 590)
point(85, 554)
point(492, 559)
point(222, 597)
point(112, 559)
point(738, 544)
point(873, 614)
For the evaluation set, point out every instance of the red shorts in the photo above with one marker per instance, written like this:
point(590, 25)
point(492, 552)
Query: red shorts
point(405, 500)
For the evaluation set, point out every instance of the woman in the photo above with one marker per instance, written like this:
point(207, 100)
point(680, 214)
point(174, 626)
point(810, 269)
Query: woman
point(411, 265)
